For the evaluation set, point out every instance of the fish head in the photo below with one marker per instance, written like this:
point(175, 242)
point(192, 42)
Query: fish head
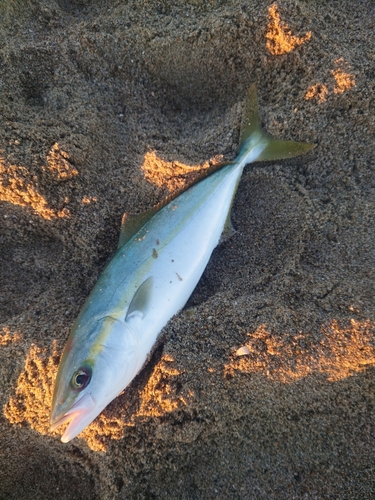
point(90, 375)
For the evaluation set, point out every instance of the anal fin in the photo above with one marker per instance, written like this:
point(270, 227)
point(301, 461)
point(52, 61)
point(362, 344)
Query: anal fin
point(228, 230)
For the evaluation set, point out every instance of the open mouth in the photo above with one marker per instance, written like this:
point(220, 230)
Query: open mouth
point(77, 415)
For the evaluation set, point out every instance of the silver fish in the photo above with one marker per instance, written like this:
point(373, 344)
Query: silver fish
point(160, 259)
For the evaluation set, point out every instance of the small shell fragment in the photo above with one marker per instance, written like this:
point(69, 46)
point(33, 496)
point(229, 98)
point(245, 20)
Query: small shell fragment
point(242, 351)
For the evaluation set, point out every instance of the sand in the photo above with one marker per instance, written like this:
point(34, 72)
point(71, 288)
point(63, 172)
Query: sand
point(106, 107)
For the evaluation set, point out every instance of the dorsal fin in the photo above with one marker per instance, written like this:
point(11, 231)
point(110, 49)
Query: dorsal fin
point(140, 303)
point(131, 223)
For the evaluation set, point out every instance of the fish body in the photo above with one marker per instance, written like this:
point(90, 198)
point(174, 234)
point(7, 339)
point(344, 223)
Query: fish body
point(149, 279)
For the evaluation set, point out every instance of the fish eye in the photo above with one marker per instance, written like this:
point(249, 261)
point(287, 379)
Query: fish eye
point(81, 378)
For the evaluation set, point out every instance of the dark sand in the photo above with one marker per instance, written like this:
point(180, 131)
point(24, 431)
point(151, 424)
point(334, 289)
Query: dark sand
point(88, 89)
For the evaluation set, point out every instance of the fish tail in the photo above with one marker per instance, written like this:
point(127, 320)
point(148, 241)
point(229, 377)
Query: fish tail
point(259, 145)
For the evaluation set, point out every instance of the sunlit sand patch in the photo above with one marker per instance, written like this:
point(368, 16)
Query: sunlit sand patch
point(17, 187)
point(318, 91)
point(33, 399)
point(172, 175)
point(342, 352)
point(280, 39)
point(159, 397)
point(6, 337)
point(33, 394)
point(59, 165)
point(344, 81)
point(86, 200)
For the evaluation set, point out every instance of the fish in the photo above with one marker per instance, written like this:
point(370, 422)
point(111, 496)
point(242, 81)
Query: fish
point(160, 258)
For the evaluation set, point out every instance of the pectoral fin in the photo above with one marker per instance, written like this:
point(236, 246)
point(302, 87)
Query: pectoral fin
point(140, 303)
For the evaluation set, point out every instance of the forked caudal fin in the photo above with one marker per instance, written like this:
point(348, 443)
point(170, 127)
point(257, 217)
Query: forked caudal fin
point(265, 146)
point(255, 145)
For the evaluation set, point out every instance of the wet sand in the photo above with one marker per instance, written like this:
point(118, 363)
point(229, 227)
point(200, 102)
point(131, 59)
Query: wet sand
point(106, 107)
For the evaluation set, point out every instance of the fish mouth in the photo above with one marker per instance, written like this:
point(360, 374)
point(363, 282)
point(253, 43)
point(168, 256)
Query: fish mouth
point(80, 415)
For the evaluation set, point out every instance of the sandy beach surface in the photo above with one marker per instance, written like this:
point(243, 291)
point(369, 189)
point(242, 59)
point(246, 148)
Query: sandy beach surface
point(106, 107)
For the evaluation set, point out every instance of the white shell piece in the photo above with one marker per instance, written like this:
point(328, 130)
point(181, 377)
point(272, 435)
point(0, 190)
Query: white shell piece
point(243, 351)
